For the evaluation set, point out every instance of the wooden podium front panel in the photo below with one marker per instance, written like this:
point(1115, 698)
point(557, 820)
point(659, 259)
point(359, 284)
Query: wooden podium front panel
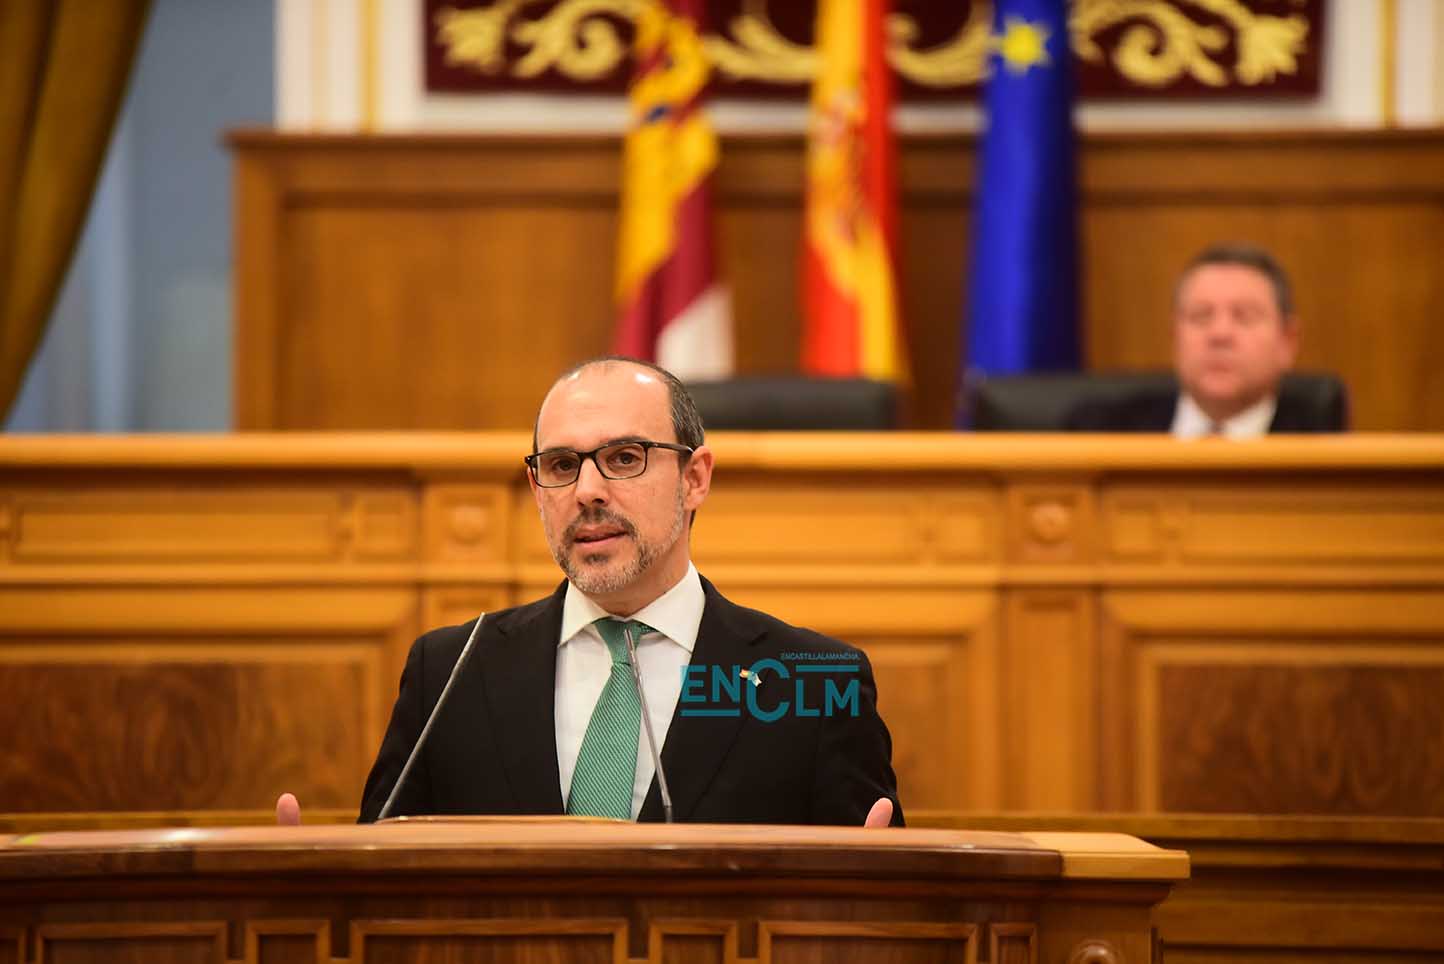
point(560, 890)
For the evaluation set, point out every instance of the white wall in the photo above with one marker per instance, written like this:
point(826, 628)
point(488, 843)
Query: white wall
point(327, 80)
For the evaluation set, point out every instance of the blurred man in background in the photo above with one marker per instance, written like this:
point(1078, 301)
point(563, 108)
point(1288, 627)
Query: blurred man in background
point(1235, 335)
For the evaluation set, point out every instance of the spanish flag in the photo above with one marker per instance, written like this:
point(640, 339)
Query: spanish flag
point(851, 326)
point(673, 310)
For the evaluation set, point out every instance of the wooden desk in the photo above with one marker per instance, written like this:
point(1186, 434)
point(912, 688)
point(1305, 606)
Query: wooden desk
point(548, 891)
point(1267, 890)
point(1064, 623)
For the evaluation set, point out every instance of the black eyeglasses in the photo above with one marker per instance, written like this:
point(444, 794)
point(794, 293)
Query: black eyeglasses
point(620, 460)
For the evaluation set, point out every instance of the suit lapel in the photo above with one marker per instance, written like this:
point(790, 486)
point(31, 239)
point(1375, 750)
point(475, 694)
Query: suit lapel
point(518, 675)
point(697, 745)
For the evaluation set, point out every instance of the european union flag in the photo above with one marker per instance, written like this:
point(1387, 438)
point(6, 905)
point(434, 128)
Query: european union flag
point(1022, 306)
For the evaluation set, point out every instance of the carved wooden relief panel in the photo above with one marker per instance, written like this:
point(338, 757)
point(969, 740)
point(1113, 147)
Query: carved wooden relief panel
point(602, 939)
point(1356, 730)
point(1271, 702)
point(228, 521)
point(1156, 49)
point(132, 943)
point(123, 700)
point(1275, 522)
point(1050, 523)
point(805, 942)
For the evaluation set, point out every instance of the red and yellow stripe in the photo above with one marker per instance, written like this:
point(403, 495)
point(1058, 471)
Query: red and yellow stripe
point(851, 320)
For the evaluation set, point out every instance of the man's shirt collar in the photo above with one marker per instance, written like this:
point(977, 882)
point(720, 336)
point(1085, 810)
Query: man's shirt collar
point(1190, 421)
point(676, 614)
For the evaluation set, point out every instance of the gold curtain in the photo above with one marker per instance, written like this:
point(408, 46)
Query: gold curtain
point(63, 70)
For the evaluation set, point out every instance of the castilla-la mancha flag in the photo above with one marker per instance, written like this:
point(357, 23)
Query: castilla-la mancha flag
point(673, 309)
point(851, 326)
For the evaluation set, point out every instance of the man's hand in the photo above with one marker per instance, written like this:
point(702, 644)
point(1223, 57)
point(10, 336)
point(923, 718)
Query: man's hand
point(288, 811)
point(879, 816)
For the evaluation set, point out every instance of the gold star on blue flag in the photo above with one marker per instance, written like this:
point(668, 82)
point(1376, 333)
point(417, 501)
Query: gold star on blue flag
point(1022, 45)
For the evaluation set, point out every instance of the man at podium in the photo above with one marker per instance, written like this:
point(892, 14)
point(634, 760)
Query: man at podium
point(564, 705)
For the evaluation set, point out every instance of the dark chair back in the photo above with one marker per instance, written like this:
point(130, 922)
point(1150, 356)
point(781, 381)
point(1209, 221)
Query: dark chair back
point(1042, 403)
point(796, 403)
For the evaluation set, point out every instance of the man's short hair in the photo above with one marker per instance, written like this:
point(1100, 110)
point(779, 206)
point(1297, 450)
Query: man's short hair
point(686, 421)
point(1247, 256)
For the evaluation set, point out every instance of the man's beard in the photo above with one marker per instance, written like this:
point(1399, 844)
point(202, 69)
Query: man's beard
point(606, 581)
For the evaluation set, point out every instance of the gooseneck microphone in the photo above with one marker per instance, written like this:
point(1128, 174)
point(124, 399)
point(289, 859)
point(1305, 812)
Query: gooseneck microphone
point(435, 712)
point(647, 724)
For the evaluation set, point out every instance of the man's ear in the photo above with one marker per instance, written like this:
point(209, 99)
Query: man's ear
point(697, 477)
point(1291, 339)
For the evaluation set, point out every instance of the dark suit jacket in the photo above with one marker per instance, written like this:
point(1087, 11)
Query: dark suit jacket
point(493, 748)
point(1152, 411)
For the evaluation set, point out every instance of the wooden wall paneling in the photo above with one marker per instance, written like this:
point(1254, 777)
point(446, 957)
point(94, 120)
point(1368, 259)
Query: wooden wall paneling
point(812, 523)
point(1103, 934)
point(287, 942)
point(467, 527)
point(683, 941)
point(257, 225)
point(177, 524)
point(149, 583)
point(1051, 522)
point(451, 606)
point(599, 940)
point(536, 572)
point(468, 534)
point(12, 945)
point(1326, 929)
point(1050, 704)
point(162, 943)
point(193, 697)
point(1261, 526)
point(1274, 702)
point(1262, 890)
point(463, 272)
point(780, 942)
point(1050, 654)
point(1013, 944)
point(218, 520)
point(460, 284)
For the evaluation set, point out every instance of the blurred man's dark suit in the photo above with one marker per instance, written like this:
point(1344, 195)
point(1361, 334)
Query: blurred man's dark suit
point(1153, 411)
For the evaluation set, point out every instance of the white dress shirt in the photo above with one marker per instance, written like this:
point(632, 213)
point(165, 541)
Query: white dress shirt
point(1190, 421)
point(584, 663)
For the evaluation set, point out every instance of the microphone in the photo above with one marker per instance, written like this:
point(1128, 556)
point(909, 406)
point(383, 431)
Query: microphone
point(435, 712)
point(647, 724)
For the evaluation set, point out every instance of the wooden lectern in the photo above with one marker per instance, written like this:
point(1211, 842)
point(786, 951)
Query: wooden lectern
point(555, 890)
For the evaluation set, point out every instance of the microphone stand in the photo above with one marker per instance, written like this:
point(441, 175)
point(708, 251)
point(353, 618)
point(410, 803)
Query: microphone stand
point(647, 725)
point(435, 712)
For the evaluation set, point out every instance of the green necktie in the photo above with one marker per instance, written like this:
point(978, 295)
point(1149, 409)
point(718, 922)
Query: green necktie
point(607, 763)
